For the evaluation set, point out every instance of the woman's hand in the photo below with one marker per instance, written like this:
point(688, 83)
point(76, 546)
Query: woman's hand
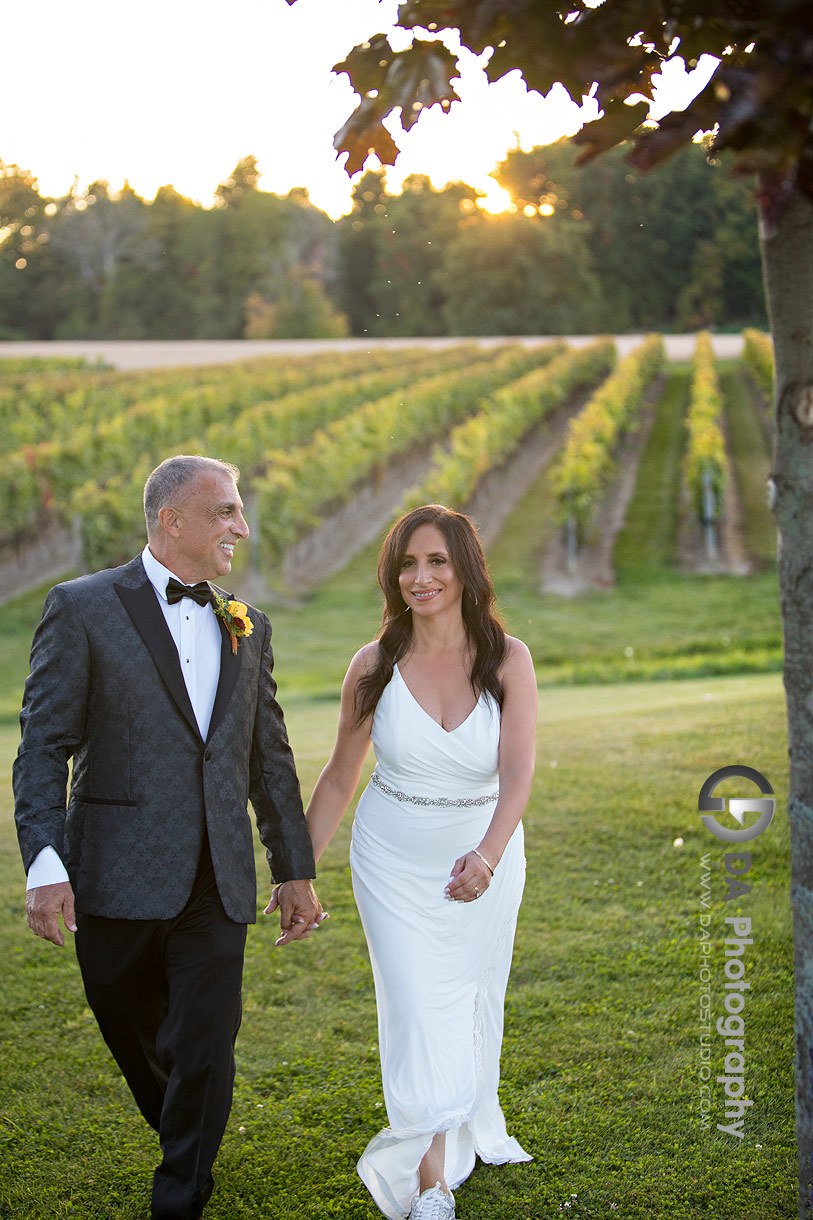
point(469, 880)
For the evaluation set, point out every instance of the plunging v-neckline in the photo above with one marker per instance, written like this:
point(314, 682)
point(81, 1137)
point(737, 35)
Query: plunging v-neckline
point(419, 705)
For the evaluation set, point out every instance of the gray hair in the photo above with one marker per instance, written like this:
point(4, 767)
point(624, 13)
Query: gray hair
point(167, 480)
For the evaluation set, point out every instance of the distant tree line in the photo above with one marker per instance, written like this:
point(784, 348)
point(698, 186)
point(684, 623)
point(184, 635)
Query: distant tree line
point(599, 248)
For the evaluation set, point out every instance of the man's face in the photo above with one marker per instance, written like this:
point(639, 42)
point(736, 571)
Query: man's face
point(210, 524)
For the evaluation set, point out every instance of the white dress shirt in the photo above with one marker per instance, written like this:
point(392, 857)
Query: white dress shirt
point(197, 637)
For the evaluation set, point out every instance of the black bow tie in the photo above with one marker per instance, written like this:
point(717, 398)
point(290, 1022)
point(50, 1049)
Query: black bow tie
point(200, 593)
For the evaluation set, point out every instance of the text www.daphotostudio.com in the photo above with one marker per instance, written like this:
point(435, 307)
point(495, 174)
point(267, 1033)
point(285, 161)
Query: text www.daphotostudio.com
point(724, 950)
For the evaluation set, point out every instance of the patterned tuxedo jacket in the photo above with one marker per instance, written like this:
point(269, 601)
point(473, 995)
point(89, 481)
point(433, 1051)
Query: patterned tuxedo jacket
point(106, 689)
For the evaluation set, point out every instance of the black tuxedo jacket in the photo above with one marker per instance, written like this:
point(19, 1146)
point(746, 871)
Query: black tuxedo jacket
point(106, 689)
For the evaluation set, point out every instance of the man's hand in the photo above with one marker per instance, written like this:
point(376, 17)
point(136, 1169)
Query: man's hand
point(300, 911)
point(44, 904)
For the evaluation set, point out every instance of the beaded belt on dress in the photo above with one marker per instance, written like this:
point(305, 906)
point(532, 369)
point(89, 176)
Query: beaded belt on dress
point(444, 802)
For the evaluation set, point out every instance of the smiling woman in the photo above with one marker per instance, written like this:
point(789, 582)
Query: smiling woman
point(449, 703)
point(427, 576)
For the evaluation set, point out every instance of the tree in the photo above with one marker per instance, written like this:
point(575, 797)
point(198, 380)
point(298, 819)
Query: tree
point(99, 263)
point(26, 305)
point(759, 107)
point(265, 239)
point(359, 242)
point(240, 184)
point(417, 230)
point(293, 277)
point(178, 296)
point(511, 275)
point(664, 250)
point(391, 254)
point(301, 310)
point(102, 237)
point(674, 250)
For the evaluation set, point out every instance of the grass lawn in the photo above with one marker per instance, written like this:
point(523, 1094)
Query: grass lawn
point(602, 1053)
point(603, 1075)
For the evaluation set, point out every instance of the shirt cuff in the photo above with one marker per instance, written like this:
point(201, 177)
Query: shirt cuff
point(47, 869)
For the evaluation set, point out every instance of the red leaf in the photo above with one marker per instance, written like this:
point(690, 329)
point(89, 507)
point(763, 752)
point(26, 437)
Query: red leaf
point(367, 65)
point(362, 134)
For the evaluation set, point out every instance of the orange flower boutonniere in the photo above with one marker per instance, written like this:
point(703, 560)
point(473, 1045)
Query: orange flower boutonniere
point(235, 617)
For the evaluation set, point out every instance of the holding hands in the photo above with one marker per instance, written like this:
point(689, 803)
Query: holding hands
point(300, 911)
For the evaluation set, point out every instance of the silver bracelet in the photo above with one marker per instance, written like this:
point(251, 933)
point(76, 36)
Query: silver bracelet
point(482, 857)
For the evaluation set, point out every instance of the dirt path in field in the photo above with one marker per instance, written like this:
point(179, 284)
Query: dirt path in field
point(175, 353)
point(47, 558)
point(593, 568)
point(328, 547)
point(502, 489)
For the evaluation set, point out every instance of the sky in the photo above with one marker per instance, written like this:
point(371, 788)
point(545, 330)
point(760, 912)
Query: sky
point(178, 91)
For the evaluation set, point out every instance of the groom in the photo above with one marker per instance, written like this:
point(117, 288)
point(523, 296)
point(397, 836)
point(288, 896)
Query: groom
point(160, 689)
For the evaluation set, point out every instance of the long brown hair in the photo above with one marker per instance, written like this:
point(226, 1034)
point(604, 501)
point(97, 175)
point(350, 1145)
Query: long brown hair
point(484, 630)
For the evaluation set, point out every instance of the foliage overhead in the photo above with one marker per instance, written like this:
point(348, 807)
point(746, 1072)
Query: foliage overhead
point(758, 104)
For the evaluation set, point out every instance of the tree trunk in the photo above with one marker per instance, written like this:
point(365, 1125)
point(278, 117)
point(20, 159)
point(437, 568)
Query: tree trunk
point(787, 248)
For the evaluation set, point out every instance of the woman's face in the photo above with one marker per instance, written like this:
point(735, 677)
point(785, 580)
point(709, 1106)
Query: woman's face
point(429, 583)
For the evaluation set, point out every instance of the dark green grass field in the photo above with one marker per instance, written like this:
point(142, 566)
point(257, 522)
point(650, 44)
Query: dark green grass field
point(603, 1076)
point(602, 1051)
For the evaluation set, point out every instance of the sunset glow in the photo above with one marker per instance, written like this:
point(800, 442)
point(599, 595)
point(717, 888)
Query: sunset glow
point(495, 200)
point(179, 93)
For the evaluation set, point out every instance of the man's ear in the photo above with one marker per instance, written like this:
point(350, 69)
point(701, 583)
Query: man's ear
point(170, 520)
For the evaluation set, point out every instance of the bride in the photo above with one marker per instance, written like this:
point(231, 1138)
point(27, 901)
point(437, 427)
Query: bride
point(449, 702)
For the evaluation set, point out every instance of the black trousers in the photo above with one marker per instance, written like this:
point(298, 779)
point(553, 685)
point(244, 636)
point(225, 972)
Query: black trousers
point(167, 997)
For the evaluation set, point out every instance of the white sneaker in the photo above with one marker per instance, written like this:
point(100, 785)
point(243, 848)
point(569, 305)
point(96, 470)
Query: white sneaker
point(433, 1204)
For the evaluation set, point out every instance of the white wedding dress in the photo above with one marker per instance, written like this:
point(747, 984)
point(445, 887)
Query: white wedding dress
point(440, 967)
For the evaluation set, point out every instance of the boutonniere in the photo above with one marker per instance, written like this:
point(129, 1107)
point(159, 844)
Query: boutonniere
point(235, 617)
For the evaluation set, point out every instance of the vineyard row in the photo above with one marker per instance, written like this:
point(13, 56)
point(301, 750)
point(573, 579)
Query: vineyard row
point(289, 486)
point(308, 451)
point(236, 421)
